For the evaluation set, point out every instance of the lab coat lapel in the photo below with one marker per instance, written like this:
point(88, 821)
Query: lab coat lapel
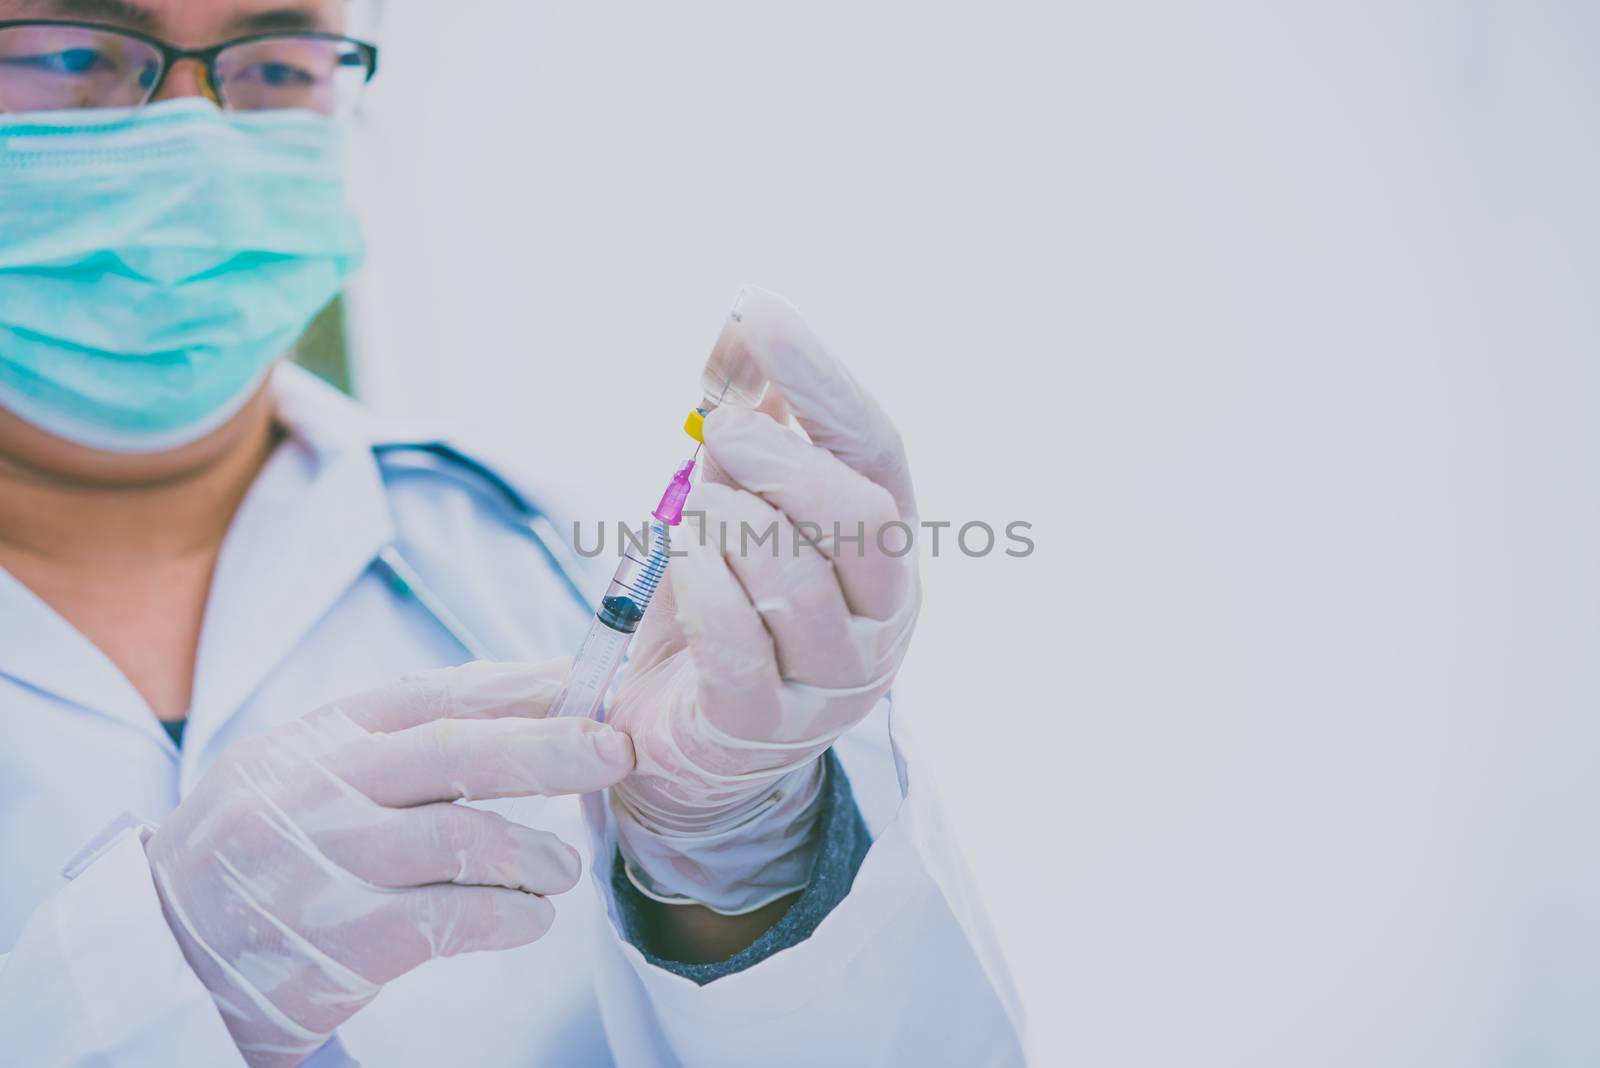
point(41, 650)
point(308, 530)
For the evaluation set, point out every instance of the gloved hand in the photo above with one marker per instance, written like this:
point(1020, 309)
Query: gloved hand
point(761, 655)
point(323, 859)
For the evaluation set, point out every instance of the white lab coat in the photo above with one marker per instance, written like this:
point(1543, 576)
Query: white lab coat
point(903, 971)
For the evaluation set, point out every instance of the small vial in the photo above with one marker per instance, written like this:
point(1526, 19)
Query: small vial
point(732, 375)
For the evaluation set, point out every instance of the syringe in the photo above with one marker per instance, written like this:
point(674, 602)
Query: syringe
point(622, 608)
point(732, 376)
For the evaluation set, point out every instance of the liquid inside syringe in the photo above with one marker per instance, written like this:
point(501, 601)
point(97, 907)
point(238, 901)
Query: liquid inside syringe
point(623, 607)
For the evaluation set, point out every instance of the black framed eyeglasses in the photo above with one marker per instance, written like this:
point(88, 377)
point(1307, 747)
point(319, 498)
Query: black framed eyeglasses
point(50, 65)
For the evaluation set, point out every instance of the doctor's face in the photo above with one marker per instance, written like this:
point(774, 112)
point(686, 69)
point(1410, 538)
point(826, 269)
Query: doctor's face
point(88, 63)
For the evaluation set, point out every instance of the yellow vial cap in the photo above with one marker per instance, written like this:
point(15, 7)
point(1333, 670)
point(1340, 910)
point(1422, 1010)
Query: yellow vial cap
point(695, 427)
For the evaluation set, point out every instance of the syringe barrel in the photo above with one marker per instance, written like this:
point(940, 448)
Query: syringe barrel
point(638, 576)
point(633, 587)
point(599, 659)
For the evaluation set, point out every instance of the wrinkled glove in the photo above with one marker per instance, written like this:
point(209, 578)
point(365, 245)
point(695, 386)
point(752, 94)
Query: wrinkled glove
point(323, 859)
point(762, 654)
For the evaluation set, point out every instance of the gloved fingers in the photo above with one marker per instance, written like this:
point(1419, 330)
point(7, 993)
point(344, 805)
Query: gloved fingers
point(792, 585)
point(821, 714)
point(447, 843)
point(773, 406)
point(736, 666)
point(412, 927)
point(835, 412)
point(844, 511)
point(465, 760)
point(480, 690)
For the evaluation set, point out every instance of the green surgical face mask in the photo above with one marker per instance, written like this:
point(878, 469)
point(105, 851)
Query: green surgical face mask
point(155, 264)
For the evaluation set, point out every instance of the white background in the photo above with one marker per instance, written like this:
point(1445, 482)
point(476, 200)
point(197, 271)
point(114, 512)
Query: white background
point(1278, 322)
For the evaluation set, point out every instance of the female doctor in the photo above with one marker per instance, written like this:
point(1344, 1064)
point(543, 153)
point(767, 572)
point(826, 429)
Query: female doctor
point(236, 753)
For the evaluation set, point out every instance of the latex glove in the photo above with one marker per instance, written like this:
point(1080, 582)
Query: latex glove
point(761, 657)
point(323, 859)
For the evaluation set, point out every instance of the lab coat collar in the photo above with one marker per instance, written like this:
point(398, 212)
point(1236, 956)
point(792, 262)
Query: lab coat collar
point(309, 528)
point(41, 650)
